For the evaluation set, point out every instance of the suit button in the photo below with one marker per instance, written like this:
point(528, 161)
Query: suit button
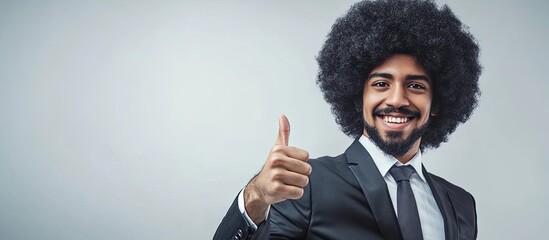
point(239, 233)
point(235, 238)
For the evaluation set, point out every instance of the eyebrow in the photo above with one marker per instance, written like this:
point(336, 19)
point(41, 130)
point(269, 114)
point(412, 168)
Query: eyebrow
point(408, 77)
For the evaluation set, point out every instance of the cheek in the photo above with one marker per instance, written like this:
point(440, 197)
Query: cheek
point(368, 107)
point(369, 104)
point(370, 99)
point(425, 109)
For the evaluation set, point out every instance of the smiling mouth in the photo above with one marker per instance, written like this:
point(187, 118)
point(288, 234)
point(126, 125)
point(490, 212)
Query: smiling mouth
point(392, 119)
point(395, 116)
point(396, 119)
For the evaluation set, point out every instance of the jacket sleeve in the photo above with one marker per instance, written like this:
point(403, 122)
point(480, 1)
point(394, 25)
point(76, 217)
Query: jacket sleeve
point(234, 226)
point(287, 220)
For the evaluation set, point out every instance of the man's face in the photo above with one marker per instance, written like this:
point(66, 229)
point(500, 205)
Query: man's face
point(397, 104)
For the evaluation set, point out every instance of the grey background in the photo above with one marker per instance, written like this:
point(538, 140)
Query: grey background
point(143, 119)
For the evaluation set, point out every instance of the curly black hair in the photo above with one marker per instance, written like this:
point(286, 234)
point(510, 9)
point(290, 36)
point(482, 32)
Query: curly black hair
point(372, 31)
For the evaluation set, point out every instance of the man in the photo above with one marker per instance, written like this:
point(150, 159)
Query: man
point(400, 76)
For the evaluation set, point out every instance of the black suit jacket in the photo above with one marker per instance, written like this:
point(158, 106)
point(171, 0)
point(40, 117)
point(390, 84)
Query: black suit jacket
point(347, 198)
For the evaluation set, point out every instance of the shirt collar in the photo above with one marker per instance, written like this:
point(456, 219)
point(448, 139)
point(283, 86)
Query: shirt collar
point(384, 162)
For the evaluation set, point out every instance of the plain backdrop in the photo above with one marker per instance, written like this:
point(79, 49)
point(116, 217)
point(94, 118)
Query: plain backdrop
point(144, 119)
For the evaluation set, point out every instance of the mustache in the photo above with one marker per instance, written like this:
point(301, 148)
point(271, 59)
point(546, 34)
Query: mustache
point(403, 110)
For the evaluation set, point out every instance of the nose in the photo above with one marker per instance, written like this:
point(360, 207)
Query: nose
point(397, 98)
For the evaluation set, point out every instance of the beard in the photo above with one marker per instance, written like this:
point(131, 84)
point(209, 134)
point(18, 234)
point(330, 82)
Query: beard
point(395, 145)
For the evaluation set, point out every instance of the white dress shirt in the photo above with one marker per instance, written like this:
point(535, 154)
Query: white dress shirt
point(432, 223)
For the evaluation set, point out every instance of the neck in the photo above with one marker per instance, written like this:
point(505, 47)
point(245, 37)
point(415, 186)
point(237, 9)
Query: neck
point(410, 153)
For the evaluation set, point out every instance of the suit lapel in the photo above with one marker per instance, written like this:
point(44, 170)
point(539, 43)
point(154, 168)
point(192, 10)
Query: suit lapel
point(445, 205)
point(374, 189)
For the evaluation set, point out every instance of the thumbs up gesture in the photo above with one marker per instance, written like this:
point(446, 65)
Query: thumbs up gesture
point(284, 175)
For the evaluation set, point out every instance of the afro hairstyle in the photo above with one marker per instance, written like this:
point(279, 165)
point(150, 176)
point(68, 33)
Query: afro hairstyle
point(372, 31)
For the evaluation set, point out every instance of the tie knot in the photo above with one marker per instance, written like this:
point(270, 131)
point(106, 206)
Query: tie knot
point(402, 173)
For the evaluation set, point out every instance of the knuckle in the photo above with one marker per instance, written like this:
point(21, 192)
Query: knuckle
point(277, 160)
point(277, 174)
point(278, 188)
point(277, 148)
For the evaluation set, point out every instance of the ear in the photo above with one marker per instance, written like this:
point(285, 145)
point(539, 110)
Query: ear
point(434, 110)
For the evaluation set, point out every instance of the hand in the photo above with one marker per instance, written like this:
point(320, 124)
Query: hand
point(284, 175)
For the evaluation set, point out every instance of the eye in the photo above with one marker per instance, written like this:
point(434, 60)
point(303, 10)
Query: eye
point(380, 84)
point(416, 86)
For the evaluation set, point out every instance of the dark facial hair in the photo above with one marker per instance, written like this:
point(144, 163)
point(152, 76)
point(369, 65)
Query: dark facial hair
point(395, 145)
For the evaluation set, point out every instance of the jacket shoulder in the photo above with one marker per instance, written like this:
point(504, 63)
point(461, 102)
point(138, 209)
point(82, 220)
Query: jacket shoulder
point(328, 164)
point(452, 188)
point(329, 160)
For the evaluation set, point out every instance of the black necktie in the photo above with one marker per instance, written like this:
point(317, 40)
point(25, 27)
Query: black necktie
point(408, 216)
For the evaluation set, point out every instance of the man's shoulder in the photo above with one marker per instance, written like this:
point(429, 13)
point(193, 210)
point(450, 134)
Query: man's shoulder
point(326, 166)
point(329, 161)
point(450, 187)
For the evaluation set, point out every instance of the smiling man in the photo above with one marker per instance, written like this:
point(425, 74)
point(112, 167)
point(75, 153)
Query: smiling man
point(400, 76)
point(397, 106)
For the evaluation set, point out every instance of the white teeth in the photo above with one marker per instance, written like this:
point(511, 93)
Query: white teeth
point(391, 119)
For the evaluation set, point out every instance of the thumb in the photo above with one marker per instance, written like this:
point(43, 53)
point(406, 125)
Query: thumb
point(283, 130)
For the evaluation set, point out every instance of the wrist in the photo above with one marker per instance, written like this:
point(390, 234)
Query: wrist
point(254, 203)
